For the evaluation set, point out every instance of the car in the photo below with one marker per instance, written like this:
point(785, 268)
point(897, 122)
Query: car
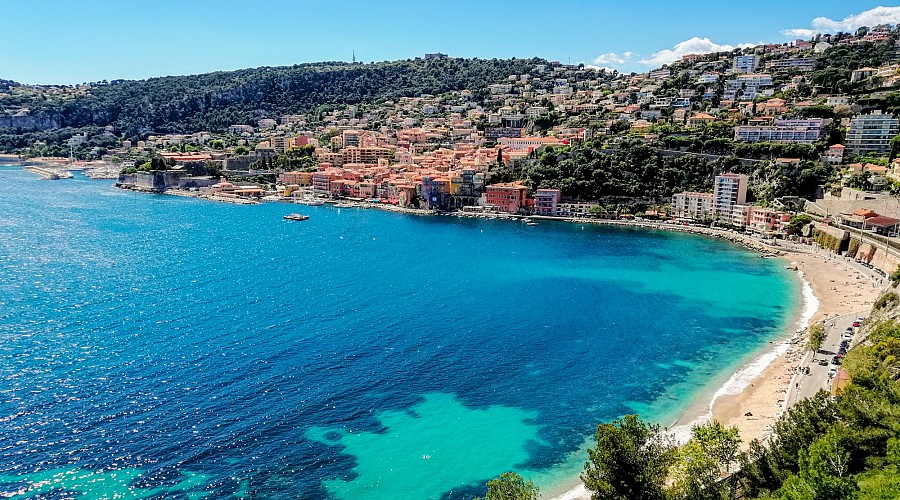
point(856, 324)
point(823, 362)
point(842, 351)
point(836, 360)
point(832, 371)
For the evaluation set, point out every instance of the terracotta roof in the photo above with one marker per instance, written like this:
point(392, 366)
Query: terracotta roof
point(882, 221)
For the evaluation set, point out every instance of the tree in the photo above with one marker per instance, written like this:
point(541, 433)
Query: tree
point(895, 276)
point(824, 470)
point(719, 442)
point(895, 148)
point(510, 486)
point(798, 221)
point(630, 461)
point(695, 475)
point(815, 335)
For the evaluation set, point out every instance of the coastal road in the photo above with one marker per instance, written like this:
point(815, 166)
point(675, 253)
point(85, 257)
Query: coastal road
point(804, 386)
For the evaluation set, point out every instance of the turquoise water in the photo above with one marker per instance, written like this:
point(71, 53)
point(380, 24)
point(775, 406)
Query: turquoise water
point(157, 346)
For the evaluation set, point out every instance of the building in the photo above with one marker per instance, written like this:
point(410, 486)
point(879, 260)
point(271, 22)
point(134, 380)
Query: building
point(527, 143)
point(764, 220)
point(801, 64)
point(834, 155)
point(546, 201)
point(510, 197)
point(729, 190)
point(861, 74)
point(693, 205)
point(574, 209)
point(699, 120)
point(803, 131)
point(746, 86)
point(872, 133)
point(745, 64)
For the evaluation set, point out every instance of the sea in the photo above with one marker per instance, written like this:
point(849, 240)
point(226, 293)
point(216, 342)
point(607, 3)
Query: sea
point(155, 346)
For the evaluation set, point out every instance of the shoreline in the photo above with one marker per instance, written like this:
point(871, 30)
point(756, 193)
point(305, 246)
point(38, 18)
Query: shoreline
point(746, 241)
point(754, 396)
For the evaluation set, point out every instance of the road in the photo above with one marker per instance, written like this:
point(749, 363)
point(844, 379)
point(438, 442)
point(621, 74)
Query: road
point(804, 386)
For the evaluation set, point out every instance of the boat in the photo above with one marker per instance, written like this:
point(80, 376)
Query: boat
point(296, 217)
point(531, 223)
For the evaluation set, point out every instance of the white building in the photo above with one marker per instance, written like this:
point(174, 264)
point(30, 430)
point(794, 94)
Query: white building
point(872, 133)
point(729, 190)
point(745, 64)
point(694, 205)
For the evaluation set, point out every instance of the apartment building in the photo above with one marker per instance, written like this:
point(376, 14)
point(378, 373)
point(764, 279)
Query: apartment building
point(693, 205)
point(729, 190)
point(745, 64)
point(546, 201)
point(803, 131)
point(801, 64)
point(871, 133)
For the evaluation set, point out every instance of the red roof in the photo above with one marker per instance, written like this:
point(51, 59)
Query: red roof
point(882, 221)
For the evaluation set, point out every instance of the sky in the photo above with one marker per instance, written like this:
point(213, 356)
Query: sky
point(72, 41)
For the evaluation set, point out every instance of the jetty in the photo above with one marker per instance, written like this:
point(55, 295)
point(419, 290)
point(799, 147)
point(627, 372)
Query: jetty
point(49, 173)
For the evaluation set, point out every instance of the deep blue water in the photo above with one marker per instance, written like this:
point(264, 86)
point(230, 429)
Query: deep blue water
point(157, 345)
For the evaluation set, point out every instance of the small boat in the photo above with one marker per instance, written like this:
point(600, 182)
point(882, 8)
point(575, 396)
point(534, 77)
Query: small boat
point(296, 217)
point(532, 223)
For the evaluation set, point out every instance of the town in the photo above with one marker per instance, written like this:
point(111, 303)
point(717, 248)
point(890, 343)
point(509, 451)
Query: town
point(465, 151)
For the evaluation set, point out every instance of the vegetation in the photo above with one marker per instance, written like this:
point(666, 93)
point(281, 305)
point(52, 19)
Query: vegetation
point(510, 486)
point(797, 222)
point(638, 170)
point(889, 299)
point(827, 241)
point(631, 461)
point(824, 447)
point(895, 276)
point(815, 335)
point(214, 101)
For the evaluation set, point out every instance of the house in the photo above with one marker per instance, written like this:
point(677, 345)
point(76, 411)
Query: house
point(699, 120)
point(834, 155)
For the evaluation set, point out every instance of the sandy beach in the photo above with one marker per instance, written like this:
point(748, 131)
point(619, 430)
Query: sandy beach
point(754, 398)
point(839, 290)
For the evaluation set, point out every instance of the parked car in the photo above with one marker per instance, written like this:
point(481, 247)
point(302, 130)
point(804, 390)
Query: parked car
point(823, 362)
point(836, 360)
point(856, 324)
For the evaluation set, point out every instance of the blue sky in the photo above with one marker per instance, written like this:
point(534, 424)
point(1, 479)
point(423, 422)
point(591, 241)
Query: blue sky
point(70, 41)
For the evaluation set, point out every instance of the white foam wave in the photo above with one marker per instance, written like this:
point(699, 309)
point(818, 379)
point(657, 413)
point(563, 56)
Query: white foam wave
point(746, 374)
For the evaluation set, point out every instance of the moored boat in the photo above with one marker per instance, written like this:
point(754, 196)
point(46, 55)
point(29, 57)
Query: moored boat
point(296, 217)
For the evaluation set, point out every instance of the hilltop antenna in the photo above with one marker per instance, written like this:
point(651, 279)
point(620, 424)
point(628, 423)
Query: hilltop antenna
point(354, 56)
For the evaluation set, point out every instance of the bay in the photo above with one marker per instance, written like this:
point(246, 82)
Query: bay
point(154, 345)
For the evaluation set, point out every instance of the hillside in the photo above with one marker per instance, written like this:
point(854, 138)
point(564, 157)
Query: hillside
point(213, 101)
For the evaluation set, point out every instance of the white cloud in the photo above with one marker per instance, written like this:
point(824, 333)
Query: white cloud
point(695, 45)
point(871, 17)
point(799, 33)
point(613, 58)
point(598, 68)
